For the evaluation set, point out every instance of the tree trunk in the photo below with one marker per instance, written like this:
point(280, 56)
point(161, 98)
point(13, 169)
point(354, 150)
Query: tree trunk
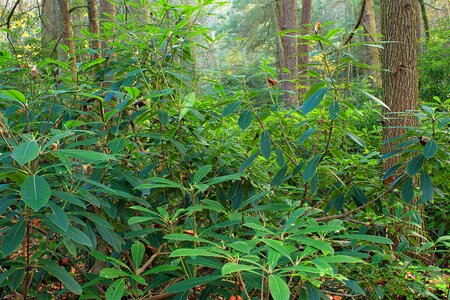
point(93, 27)
point(400, 82)
point(50, 28)
point(287, 21)
point(107, 11)
point(370, 28)
point(303, 59)
point(426, 25)
point(67, 33)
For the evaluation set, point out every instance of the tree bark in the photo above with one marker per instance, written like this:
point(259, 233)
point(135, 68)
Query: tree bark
point(303, 47)
point(287, 21)
point(67, 34)
point(93, 27)
point(399, 58)
point(370, 28)
point(50, 28)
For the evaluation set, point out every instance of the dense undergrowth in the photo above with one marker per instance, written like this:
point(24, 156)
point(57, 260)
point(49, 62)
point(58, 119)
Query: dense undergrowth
point(144, 177)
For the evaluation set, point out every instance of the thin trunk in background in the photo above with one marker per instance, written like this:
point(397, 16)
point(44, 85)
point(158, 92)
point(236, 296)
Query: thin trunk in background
point(370, 28)
point(50, 28)
point(93, 27)
point(303, 47)
point(67, 33)
point(287, 24)
point(399, 58)
point(426, 25)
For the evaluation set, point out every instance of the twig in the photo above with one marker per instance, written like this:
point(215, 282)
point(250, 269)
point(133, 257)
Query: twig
point(149, 261)
point(358, 23)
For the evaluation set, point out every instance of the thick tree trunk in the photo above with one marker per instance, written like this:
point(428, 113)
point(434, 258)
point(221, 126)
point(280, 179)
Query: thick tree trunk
point(93, 27)
point(67, 33)
point(287, 21)
point(370, 28)
point(400, 81)
point(303, 59)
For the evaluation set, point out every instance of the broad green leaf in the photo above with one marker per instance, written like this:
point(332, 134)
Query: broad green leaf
point(35, 192)
point(245, 119)
point(90, 63)
point(249, 161)
point(213, 205)
point(111, 237)
point(325, 247)
point(279, 177)
point(306, 135)
point(430, 149)
point(230, 108)
point(355, 287)
point(13, 95)
point(415, 165)
point(224, 178)
point(265, 145)
point(334, 110)
point(193, 252)
point(59, 217)
point(319, 228)
point(85, 155)
point(163, 117)
point(112, 273)
point(370, 96)
point(188, 103)
point(368, 238)
point(278, 246)
point(355, 138)
point(231, 267)
point(132, 91)
point(161, 269)
point(408, 190)
point(137, 253)
point(311, 168)
point(13, 238)
point(186, 238)
point(426, 187)
point(158, 182)
point(201, 173)
point(313, 101)
point(116, 290)
point(358, 195)
point(63, 276)
point(26, 152)
point(78, 236)
point(191, 283)
point(116, 145)
point(278, 288)
point(341, 259)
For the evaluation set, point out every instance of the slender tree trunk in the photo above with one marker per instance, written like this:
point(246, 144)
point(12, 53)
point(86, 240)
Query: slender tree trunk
point(67, 33)
point(426, 25)
point(107, 12)
point(400, 81)
point(287, 21)
point(50, 28)
point(370, 28)
point(303, 59)
point(93, 27)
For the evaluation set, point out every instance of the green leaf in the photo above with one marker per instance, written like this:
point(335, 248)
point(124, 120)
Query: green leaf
point(116, 290)
point(59, 217)
point(311, 168)
point(266, 145)
point(279, 177)
point(278, 246)
point(426, 188)
point(341, 259)
point(186, 237)
point(334, 110)
point(13, 238)
point(415, 165)
point(163, 117)
point(35, 192)
point(314, 100)
point(355, 138)
point(408, 190)
point(193, 252)
point(231, 267)
point(224, 178)
point(278, 288)
point(13, 95)
point(137, 253)
point(370, 96)
point(355, 287)
point(245, 119)
point(26, 152)
point(249, 161)
point(132, 91)
point(306, 135)
point(78, 236)
point(85, 155)
point(112, 273)
point(63, 276)
point(230, 108)
point(191, 283)
point(430, 149)
point(368, 238)
point(158, 182)
point(202, 172)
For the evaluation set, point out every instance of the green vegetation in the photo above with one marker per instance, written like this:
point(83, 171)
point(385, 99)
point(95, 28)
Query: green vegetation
point(146, 176)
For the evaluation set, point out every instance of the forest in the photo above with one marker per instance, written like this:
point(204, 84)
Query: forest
point(230, 150)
